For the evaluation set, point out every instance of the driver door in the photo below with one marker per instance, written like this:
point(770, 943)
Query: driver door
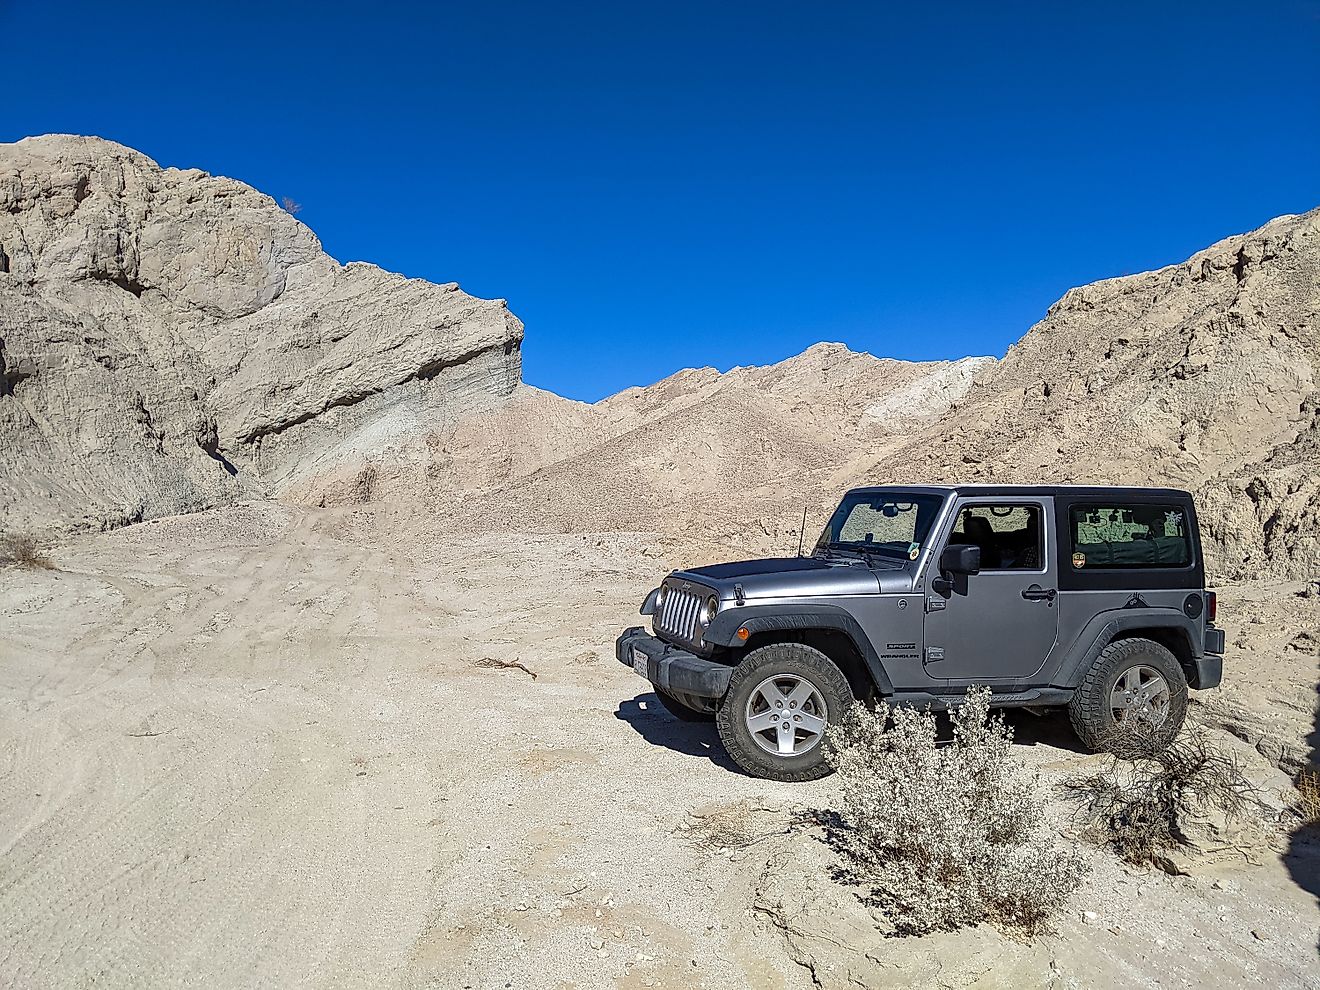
point(1006, 624)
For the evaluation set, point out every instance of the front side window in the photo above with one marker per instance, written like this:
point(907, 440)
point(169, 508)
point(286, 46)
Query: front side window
point(1129, 536)
point(891, 523)
point(1009, 535)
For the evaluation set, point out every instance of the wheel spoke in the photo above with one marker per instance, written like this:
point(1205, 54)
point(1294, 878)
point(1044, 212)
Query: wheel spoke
point(786, 735)
point(769, 693)
point(811, 723)
point(800, 693)
point(1151, 690)
point(763, 721)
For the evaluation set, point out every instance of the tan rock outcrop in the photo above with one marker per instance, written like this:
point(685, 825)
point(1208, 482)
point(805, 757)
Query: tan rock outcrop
point(170, 340)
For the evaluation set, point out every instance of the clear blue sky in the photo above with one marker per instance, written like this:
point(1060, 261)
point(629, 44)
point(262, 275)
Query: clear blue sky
point(654, 186)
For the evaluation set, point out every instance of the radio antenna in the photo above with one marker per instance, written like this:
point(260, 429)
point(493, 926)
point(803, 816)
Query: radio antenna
point(803, 531)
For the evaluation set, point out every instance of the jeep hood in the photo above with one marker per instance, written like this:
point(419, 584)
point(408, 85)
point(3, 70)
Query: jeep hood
point(797, 577)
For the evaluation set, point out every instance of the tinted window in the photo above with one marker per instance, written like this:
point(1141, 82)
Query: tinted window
point(1129, 536)
point(893, 523)
point(1009, 535)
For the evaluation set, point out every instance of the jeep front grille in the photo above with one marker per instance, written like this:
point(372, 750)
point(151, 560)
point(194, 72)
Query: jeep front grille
point(678, 615)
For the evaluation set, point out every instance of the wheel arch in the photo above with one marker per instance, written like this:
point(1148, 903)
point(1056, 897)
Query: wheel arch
point(1168, 627)
point(828, 628)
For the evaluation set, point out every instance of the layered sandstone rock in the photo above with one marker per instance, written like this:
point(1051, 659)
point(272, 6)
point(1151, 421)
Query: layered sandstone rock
point(170, 340)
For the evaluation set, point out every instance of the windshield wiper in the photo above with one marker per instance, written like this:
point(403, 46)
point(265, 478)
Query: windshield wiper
point(840, 552)
point(867, 553)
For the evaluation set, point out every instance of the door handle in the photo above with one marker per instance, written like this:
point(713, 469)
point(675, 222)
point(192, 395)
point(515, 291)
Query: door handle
point(1038, 594)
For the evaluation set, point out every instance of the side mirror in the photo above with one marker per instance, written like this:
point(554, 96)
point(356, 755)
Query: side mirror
point(961, 558)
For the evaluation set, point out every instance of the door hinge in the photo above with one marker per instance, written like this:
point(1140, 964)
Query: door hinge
point(934, 603)
point(934, 654)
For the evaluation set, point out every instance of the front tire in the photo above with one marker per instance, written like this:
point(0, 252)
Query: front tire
point(683, 708)
point(1131, 678)
point(773, 718)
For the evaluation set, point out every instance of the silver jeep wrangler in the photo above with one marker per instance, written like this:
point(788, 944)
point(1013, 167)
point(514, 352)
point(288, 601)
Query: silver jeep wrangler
point(1091, 598)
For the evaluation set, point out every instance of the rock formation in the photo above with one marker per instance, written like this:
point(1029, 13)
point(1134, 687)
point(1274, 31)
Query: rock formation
point(170, 340)
point(1201, 375)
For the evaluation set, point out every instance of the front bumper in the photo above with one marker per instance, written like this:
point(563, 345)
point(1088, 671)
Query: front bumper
point(671, 669)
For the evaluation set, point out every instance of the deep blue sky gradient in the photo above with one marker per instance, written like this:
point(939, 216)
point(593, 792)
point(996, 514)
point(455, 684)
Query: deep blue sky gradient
point(654, 186)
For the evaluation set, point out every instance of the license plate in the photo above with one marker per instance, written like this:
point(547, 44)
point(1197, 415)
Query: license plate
point(639, 661)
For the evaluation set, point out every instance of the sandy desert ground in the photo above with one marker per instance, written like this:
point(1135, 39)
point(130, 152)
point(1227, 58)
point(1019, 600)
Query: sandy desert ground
point(256, 747)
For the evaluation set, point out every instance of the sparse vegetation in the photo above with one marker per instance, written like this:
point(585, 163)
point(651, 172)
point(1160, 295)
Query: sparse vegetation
point(23, 551)
point(364, 484)
point(945, 835)
point(506, 665)
point(1308, 796)
point(1151, 796)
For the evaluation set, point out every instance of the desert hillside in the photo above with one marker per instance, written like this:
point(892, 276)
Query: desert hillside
point(1201, 375)
point(308, 607)
point(171, 340)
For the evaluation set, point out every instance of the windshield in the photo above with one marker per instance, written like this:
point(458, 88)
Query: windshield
point(892, 523)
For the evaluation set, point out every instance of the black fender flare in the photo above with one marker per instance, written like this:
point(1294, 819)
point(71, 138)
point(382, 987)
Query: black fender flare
point(1104, 628)
point(772, 618)
point(649, 605)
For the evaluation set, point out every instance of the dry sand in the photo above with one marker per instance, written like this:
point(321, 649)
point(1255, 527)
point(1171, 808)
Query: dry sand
point(254, 747)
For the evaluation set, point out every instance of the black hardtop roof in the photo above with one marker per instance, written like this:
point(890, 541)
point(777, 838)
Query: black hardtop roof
point(1062, 491)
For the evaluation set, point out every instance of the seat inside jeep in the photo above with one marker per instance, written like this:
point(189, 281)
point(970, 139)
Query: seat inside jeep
point(1008, 535)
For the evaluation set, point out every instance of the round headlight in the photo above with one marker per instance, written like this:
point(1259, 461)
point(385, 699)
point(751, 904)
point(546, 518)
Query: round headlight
point(708, 610)
point(661, 595)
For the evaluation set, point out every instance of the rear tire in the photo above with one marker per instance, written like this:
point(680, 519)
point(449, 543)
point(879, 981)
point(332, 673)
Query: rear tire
point(682, 708)
point(787, 681)
point(1128, 672)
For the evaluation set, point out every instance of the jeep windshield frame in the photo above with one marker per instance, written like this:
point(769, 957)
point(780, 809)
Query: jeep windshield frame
point(895, 523)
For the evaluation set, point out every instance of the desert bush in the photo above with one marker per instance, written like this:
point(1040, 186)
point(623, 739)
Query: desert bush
point(944, 835)
point(1152, 794)
point(364, 483)
point(23, 551)
point(1308, 797)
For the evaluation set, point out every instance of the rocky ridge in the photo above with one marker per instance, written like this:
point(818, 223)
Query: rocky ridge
point(171, 340)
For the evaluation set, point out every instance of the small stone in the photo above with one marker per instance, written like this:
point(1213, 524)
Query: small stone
point(598, 943)
point(603, 953)
point(1089, 917)
point(1259, 936)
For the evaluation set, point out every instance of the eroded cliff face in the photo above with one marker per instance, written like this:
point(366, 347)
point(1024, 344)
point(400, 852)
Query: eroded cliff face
point(171, 340)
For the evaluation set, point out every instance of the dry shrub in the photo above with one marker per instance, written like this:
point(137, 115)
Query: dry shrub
point(364, 484)
point(1308, 797)
point(23, 551)
point(946, 835)
point(1153, 794)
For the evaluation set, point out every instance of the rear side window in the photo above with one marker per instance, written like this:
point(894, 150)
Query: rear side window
point(1106, 537)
